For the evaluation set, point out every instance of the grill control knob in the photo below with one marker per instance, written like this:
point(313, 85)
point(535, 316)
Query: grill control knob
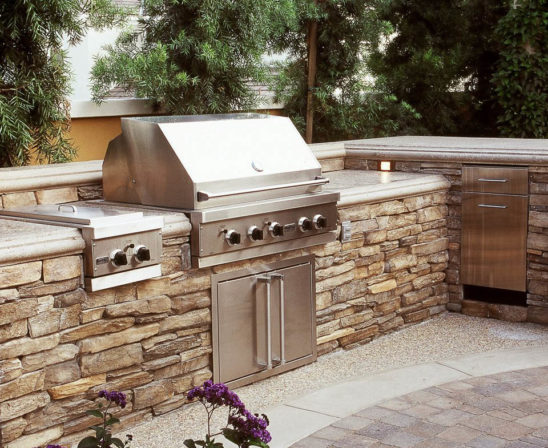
point(118, 257)
point(305, 224)
point(232, 238)
point(142, 253)
point(320, 221)
point(276, 229)
point(254, 233)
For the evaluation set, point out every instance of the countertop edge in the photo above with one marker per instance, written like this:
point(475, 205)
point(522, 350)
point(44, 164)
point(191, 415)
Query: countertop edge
point(401, 189)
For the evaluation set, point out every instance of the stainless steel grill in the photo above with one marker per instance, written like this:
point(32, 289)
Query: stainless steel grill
point(249, 182)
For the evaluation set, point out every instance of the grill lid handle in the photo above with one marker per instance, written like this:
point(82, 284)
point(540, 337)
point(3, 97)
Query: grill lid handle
point(205, 196)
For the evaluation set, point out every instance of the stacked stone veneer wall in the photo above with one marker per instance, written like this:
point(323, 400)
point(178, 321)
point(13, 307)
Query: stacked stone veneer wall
point(60, 345)
point(51, 196)
point(537, 243)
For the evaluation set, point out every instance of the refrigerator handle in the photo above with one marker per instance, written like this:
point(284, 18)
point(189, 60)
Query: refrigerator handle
point(280, 277)
point(268, 280)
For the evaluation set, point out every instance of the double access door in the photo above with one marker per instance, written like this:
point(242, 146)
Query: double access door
point(263, 321)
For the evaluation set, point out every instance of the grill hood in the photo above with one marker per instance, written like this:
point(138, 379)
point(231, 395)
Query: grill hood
point(196, 162)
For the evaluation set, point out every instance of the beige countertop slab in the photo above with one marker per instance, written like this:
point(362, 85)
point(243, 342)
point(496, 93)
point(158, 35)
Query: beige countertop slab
point(453, 149)
point(361, 187)
point(23, 241)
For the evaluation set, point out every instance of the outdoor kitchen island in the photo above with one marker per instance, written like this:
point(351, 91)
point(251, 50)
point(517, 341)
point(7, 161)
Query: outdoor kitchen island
point(483, 168)
point(60, 344)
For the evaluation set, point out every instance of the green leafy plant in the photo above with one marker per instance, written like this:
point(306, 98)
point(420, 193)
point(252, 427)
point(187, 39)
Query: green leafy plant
point(35, 74)
point(521, 77)
point(193, 56)
point(346, 105)
point(103, 432)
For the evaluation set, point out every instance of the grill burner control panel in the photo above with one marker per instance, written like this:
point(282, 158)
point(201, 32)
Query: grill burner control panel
point(292, 228)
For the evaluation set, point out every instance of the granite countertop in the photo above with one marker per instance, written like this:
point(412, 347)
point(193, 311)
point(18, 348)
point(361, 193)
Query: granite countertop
point(360, 186)
point(453, 149)
point(22, 241)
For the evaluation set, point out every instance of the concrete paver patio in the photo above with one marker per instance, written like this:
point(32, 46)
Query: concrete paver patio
point(508, 409)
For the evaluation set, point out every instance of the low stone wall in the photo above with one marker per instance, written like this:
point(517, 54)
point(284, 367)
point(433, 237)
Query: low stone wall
point(537, 243)
point(60, 345)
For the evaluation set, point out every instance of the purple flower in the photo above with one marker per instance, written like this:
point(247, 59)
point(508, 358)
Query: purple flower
point(217, 394)
point(54, 446)
point(114, 397)
point(251, 426)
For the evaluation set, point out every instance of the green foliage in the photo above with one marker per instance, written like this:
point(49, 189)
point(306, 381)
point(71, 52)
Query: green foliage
point(422, 61)
point(34, 75)
point(103, 433)
point(193, 56)
point(345, 106)
point(521, 78)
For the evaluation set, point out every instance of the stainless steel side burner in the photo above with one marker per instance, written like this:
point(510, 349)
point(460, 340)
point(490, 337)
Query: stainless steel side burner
point(120, 247)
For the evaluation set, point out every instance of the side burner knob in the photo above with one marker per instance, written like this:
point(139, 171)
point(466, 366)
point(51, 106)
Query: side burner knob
point(118, 257)
point(254, 233)
point(320, 222)
point(142, 253)
point(276, 229)
point(305, 224)
point(232, 238)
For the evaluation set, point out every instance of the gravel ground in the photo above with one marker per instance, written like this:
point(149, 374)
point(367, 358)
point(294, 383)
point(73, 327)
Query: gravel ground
point(444, 337)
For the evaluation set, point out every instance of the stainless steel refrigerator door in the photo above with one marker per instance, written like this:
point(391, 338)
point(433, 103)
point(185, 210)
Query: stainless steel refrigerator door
point(494, 240)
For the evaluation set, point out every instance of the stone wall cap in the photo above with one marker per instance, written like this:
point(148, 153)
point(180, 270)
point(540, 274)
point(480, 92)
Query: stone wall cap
point(24, 241)
point(452, 149)
point(362, 187)
point(35, 177)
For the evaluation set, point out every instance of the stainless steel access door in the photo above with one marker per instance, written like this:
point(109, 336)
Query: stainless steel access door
point(494, 240)
point(263, 322)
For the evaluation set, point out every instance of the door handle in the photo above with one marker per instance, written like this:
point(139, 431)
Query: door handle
point(268, 280)
point(492, 180)
point(280, 277)
point(492, 206)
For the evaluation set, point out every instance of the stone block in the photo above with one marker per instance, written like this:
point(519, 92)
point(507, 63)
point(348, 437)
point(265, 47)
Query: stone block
point(20, 274)
point(12, 200)
point(403, 232)
point(8, 294)
point(61, 353)
point(45, 323)
point(323, 300)
point(400, 262)
point(160, 304)
point(387, 208)
point(151, 342)
point(335, 164)
point(26, 346)
point(431, 213)
point(70, 298)
point(40, 288)
point(153, 288)
point(333, 282)
point(359, 335)
point(87, 316)
point(537, 287)
point(354, 243)
point(418, 202)
point(190, 284)
point(349, 291)
point(16, 329)
point(65, 372)
point(362, 226)
point(114, 358)
point(62, 268)
point(387, 307)
point(125, 382)
point(376, 236)
point(355, 213)
point(99, 298)
point(507, 312)
point(134, 334)
point(173, 347)
point(57, 195)
point(334, 335)
point(428, 280)
point(190, 302)
point(60, 411)
point(325, 250)
point(416, 316)
point(199, 377)
point(190, 319)
point(151, 394)
point(537, 314)
point(474, 308)
point(12, 430)
point(430, 247)
point(96, 328)
point(383, 286)
point(23, 405)
point(10, 369)
point(414, 297)
point(77, 387)
point(38, 438)
point(537, 241)
point(333, 271)
point(156, 364)
point(23, 385)
point(174, 402)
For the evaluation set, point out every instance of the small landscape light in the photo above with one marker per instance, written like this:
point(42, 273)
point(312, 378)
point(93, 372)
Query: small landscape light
point(385, 165)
